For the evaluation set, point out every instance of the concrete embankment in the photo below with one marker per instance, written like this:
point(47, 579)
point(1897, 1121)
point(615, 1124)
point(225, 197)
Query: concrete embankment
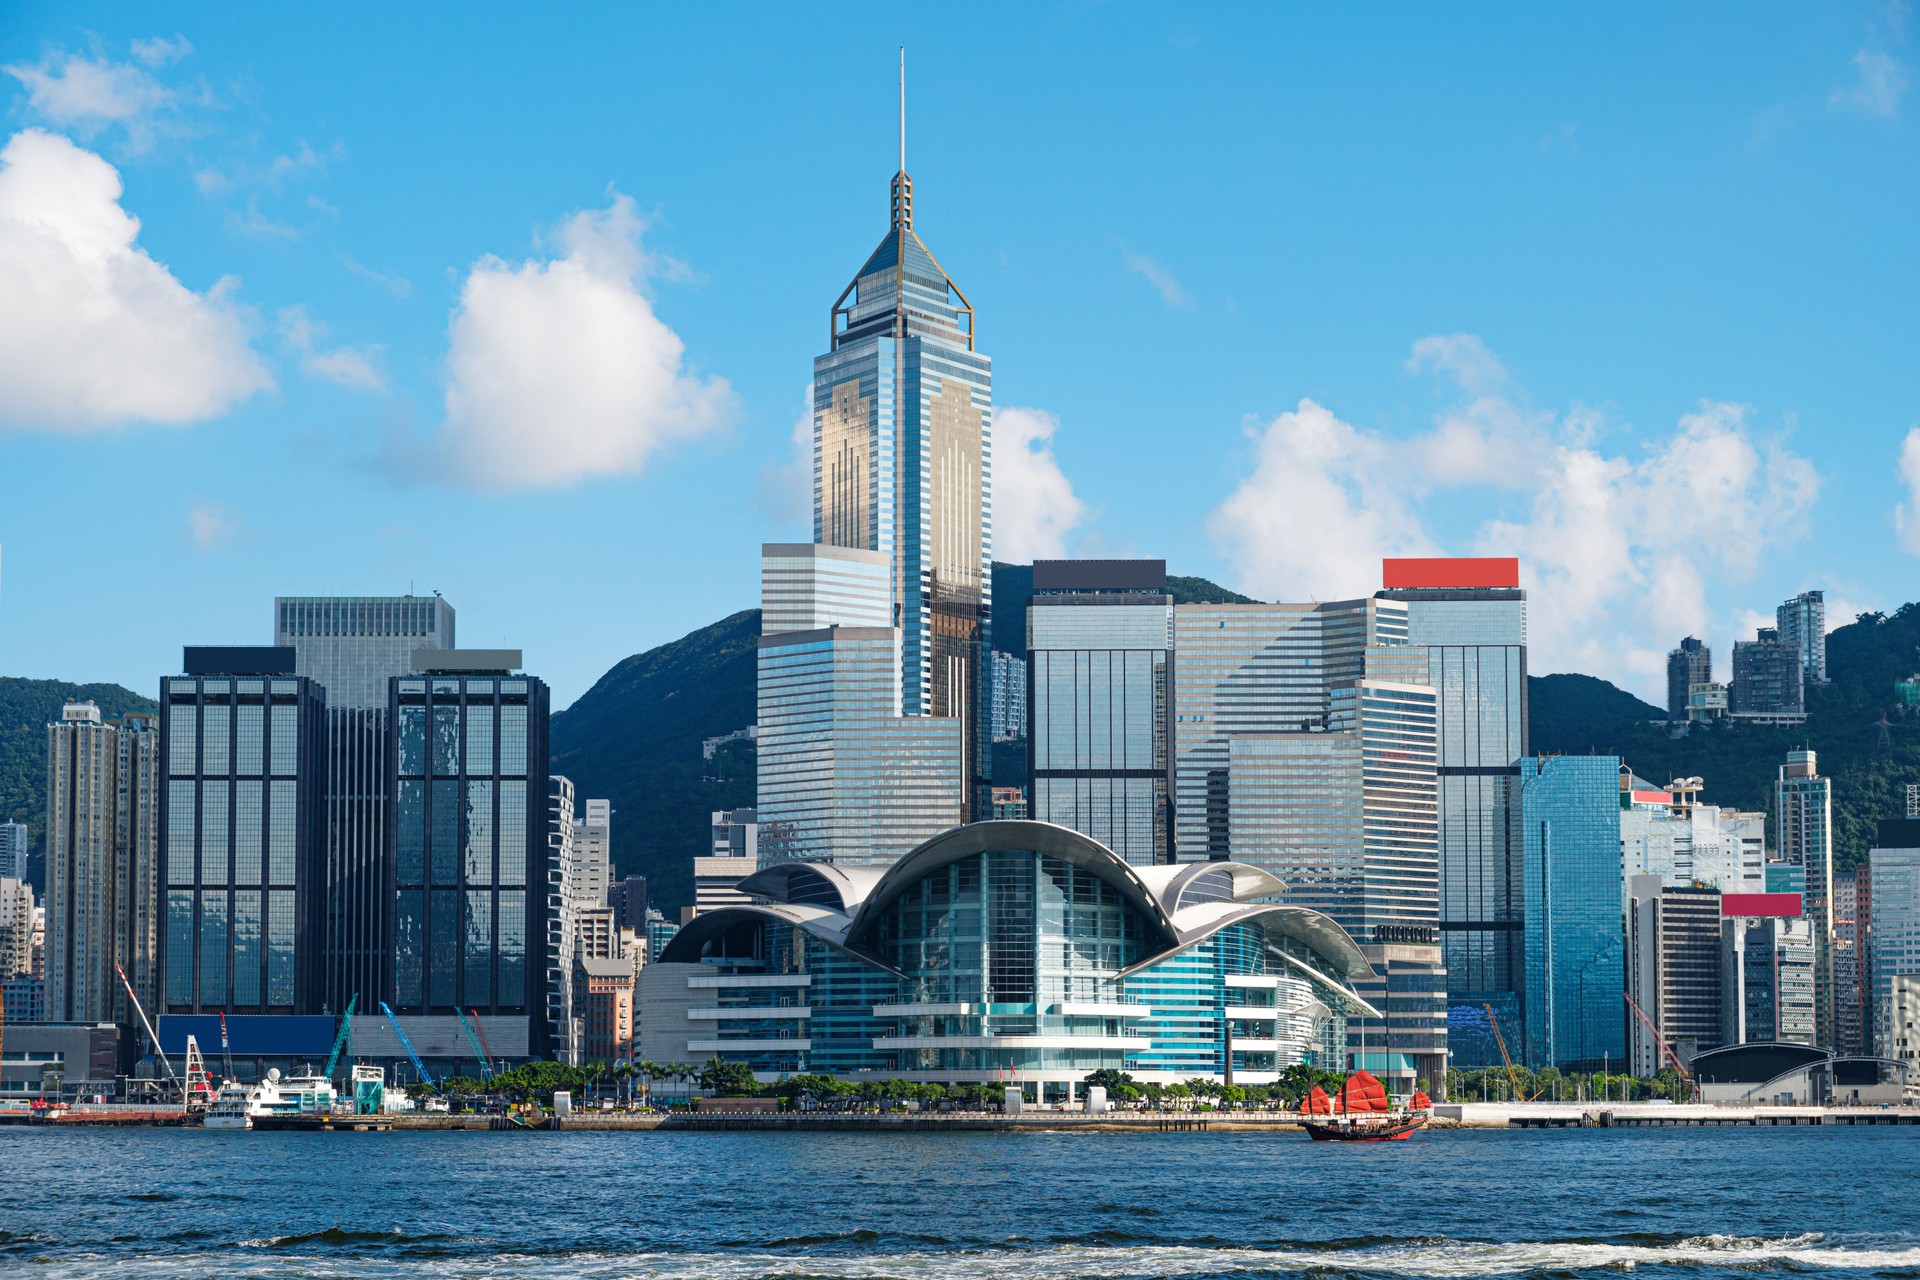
point(1655, 1115)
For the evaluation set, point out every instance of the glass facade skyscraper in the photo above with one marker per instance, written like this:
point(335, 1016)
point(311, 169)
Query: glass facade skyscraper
point(1471, 618)
point(1100, 636)
point(1575, 951)
point(1803, 814)
point(902, 465)
point(471, 863)
point(352, 645)
point(242, 741)
point(1256, 668)
point(844, 777)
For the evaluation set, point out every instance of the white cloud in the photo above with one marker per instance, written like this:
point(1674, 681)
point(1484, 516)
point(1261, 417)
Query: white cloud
point(160, 50)
point(94, 332)
point(559, 369)
point(1879, 82)
point(87, 94)
point(210, 525)
point(1617, 552)
point(356, 368)
point(1157, 274)
point(1906, 516)
point(1463, 356)
point(1034, 506)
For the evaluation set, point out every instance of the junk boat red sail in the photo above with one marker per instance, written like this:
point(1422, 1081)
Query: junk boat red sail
point(1361, 1112)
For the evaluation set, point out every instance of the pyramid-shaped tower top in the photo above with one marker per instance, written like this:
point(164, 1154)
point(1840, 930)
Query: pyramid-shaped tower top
point(902, 290)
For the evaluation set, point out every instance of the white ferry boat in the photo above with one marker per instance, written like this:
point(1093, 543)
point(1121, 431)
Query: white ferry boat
point(229, 1109)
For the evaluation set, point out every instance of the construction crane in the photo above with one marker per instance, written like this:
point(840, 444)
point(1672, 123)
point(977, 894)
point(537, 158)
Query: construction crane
point(407, 1044)
point(226, 1051)
point(486, 1068)
point(1512, 1076)
point(152, 1037)
point(345, 1037)
point(1686, 1077)
point(486, 1049)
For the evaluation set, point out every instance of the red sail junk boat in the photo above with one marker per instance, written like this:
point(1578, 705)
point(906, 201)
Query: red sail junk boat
point(1360, 1112)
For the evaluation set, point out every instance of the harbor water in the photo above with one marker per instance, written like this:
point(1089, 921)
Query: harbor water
point(1071, 1206)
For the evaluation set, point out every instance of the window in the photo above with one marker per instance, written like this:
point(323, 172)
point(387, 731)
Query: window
point(513, 741)
point(443, 947)
point(180, 847)
point(247, 833)
point(246, 947)
point(409, 932)
point(215, 758)
point(410, 837)
point(179, 946)
point(249, 739)
point(480, 833)
point(513, 833)
point(280, 847)
point(280, 947)
point(182, 737)
point(445, 844)
point(446, 741)
point(213, 832)
point(213, 949)
point(513, 951)
point(286, 739)
point(479, 947)
point(412, 734)
point(479, 739)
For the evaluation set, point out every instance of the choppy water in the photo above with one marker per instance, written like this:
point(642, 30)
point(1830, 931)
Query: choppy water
point(1571, 1203)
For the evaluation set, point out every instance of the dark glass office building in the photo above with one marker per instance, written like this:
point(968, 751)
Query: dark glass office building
point(469, 872)
point(241, 819)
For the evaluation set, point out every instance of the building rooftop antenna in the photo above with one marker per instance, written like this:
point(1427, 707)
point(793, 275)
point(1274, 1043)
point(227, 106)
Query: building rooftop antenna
point(903, 108)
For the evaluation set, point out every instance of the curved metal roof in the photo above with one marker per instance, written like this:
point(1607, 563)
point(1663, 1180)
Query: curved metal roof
point(783, 879)
point(1017, 834)
point(1249, 881)
point(684, 948)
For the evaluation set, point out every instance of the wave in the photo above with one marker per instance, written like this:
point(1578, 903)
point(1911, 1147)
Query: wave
point(1365, 1257)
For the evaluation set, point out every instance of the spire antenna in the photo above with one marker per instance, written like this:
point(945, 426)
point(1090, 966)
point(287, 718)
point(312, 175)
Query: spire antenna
point(903, 108)
point(902, 184)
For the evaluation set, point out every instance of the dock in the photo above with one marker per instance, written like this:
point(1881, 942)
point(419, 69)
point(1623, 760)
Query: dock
point(1658, 1115)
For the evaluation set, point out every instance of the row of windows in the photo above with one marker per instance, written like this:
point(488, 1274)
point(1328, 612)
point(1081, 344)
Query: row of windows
point(434, 740)
point(245, 830)
point(226, 738)
point(465, 949)
point(445, 834)
point(242, 958)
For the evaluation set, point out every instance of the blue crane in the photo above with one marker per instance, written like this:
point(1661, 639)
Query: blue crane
point(344, 1039)
point(480, 1054)
point(407, 1044)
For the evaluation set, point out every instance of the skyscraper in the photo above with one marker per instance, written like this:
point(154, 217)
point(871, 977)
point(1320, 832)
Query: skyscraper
point(844, 777)
point(352, 646)
point(1894, 868)
point(242, 741)
point(1257, 668)
point(473, 859)
point(1690, 664)
point(16, 927)
point(100, 901)
point(13, 850)
point(1802, 623)
point(1100, 749)
point(1570, 809)
point(1470, 615)
point(1803, 810)
point(902, 403)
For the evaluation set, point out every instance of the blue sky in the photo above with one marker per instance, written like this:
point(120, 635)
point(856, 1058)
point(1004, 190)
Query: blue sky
point(521, 307)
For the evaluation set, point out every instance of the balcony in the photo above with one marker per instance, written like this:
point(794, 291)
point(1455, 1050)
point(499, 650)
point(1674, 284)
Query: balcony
point(743, 1013)
point(793, 1044)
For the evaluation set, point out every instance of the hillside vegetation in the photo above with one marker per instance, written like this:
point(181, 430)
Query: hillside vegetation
point(1870, 763)
point(26, 708)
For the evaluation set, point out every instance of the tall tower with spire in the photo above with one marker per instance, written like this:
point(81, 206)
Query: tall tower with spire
point(902, 409)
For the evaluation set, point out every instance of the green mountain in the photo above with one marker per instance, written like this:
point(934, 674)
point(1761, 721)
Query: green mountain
point(634, 739)
point(1868, 742)
point(26, 708)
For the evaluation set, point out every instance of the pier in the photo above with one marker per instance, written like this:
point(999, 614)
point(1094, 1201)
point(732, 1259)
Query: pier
point(1657, 1115)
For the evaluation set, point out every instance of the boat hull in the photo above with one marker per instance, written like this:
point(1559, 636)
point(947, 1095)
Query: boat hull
point(1393, 1130)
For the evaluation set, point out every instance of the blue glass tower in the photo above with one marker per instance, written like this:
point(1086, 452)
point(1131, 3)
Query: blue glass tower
point(902, 404)
point(1575, 955)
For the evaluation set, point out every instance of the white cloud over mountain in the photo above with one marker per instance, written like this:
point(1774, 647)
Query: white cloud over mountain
point(558, 369)
point(93, 331)
point(1617, 551)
